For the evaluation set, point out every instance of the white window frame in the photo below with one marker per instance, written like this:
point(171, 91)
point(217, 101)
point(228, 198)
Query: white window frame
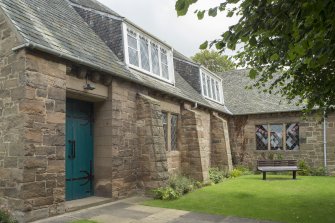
point(169, 53)
point(212, 78)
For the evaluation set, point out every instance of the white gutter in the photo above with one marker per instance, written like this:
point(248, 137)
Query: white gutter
point(325, 141)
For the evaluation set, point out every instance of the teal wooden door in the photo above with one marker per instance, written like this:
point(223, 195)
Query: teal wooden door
point(79, 149)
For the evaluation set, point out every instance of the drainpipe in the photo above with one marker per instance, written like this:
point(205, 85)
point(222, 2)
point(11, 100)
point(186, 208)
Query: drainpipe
point(325, 140)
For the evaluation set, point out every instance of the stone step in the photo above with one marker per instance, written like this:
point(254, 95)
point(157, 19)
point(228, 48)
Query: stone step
point(80, 204)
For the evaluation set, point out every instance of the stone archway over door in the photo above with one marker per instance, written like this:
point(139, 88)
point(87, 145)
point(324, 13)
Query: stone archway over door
point(79, 149)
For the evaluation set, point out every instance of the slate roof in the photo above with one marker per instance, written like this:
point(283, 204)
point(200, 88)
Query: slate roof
point(54, 26)
point(94, 4)
point(181, 56)
point(242, 101)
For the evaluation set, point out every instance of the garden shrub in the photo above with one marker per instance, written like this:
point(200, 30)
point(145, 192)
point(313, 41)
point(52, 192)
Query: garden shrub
point(235, 173)
point(216, 175)
point(178, 186)
point(6, 217)
point(166, 193)
point(306, 170)
point(181, 184)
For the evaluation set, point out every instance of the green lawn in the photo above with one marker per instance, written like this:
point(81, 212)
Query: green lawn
point(308, 199)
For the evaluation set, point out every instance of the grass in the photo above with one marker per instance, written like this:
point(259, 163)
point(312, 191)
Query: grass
point(308, 199)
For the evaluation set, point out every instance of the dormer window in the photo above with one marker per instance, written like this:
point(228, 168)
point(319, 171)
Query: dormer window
point(211, 86)
point(145, 54)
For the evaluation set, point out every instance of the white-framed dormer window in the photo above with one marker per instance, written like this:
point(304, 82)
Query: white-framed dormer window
point(211, 86)
point(147, 55)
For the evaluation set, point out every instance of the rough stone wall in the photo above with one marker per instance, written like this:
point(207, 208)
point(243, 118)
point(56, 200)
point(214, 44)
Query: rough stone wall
point(116, 143)
point(153, 161)
point(12, 66)
point(220, 153)
point(107, 28)
point(195, 149)
point(243, 139)
point(32, 131)
point(189, 72)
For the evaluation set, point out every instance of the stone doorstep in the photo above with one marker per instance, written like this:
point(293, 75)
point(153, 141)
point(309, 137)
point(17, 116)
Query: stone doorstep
point(84, 203)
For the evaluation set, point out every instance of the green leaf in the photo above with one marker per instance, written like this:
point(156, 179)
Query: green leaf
point(253, 41)
point(230, 14)
point(201, 14)
point(213, 12)
point(204, 45)
point(274, 57)
point(220, 45)
point(183, 5)
point(253, 73)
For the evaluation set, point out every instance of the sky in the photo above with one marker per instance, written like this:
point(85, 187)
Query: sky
point(159, 18)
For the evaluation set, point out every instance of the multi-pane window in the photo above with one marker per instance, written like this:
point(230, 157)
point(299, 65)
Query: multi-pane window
point(148, 56)
point(165, 127)
point(211, 87)
point(277, 136)
point(155, 59)
point(165, 65)
point(132, 48)
point(170, 127)
point(144, 49)
point(174, 123)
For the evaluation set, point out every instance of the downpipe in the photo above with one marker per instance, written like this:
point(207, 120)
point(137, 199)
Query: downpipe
point(325, 141)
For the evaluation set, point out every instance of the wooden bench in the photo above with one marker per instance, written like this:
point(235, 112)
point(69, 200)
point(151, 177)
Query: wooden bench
point(277, 166)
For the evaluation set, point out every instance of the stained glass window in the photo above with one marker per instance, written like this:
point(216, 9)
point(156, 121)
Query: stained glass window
point(165, 128)
point(144, 49)
point(262, 137)
point(273, 136)
point(292, 136)
point(276, 137)
point(174, 122)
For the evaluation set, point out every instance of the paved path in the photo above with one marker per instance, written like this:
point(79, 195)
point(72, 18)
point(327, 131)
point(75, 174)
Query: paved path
point(130, 211)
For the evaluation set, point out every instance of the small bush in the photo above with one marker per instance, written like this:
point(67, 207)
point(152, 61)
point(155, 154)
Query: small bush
point(320, 171)
point(178, 186)
point(6, 217)
point(181, 184)
point(244, 170)
point(216, 175)
point(304, 168)
point(235, 173)
point(166, 193)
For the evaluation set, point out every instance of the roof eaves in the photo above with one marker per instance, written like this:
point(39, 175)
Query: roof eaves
point(41, 48)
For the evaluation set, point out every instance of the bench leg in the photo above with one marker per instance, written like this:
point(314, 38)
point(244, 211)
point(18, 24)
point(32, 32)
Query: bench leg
point(264, 175)
point(294, 175)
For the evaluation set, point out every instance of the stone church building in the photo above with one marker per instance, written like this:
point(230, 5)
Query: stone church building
point(93, 105)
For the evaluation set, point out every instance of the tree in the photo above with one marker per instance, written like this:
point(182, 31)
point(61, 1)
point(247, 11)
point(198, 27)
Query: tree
point(213, 60)
point(289, 45)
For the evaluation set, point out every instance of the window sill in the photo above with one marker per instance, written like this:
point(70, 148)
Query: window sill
point(150, 74)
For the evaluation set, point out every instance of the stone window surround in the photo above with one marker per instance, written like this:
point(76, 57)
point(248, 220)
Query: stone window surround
point(284, 150)
point(207, 73)
point(160, 45)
